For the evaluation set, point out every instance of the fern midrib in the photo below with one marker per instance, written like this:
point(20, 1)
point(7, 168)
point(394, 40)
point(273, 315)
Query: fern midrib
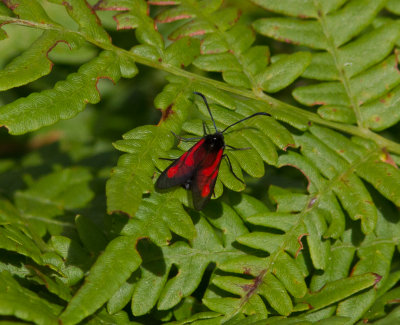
point(315, 197)
point(333, 50)
point(273, 103)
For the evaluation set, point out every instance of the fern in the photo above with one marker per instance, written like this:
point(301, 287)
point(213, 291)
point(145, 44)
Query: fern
point(86, 238)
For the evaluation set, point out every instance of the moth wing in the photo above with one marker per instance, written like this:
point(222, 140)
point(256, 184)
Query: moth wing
point(182, 169)
point(204, 179)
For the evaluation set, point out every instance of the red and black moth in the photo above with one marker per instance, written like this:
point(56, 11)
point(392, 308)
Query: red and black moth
point(197, 169)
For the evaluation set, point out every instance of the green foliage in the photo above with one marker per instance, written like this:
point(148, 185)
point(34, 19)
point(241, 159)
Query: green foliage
point(314, 236)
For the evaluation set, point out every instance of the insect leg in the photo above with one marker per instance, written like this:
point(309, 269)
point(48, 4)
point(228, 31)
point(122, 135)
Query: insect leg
point(236, 149)
point(185, 139)
point(230, 167)
point(170, 159)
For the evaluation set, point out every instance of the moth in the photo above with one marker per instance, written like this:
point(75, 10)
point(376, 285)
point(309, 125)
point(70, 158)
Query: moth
point(197, 169)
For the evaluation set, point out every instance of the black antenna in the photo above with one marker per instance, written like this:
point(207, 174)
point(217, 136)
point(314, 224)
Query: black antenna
point(246, 118)
point(212, 118)
point(209, 111)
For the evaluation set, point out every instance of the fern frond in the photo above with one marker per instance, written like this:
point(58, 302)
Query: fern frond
point(348, 55)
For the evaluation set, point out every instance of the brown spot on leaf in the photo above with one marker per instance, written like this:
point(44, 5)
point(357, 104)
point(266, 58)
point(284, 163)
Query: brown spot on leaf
point(246, 270)
point(174, 18)
point(300, 244)
point(10, 5)
point(167, 112)
point(52, 47)
point(289, 145)
point(103, 77)
point(118, 24)
point(195, 33)
point(67, 5)
point(251, 288)
point(318, 103)
point(101, 6)
point(377, 279)
point(387, 158)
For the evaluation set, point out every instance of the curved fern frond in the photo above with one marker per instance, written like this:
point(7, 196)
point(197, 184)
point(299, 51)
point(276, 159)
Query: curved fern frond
point(356, 65)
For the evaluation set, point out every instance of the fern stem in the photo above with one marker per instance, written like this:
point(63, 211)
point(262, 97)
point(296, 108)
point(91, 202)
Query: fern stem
point(276, 105)
point(272, 103)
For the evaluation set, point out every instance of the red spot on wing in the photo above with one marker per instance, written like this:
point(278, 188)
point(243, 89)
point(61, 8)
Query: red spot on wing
point(209, 170)
point(206, 190)
point(189, 160)
point(172, 171)
point(186, 160)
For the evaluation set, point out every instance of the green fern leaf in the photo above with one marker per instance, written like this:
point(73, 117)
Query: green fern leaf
point(135, 169)
point(34, 63)
point(68, 258)
point(191, 260)
point(52, 194)
point(337, 290)
point(113, 267)
point(29, 10)
point(341, 101)
point(25, 304)
point(87, 20)
point(67, 95)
